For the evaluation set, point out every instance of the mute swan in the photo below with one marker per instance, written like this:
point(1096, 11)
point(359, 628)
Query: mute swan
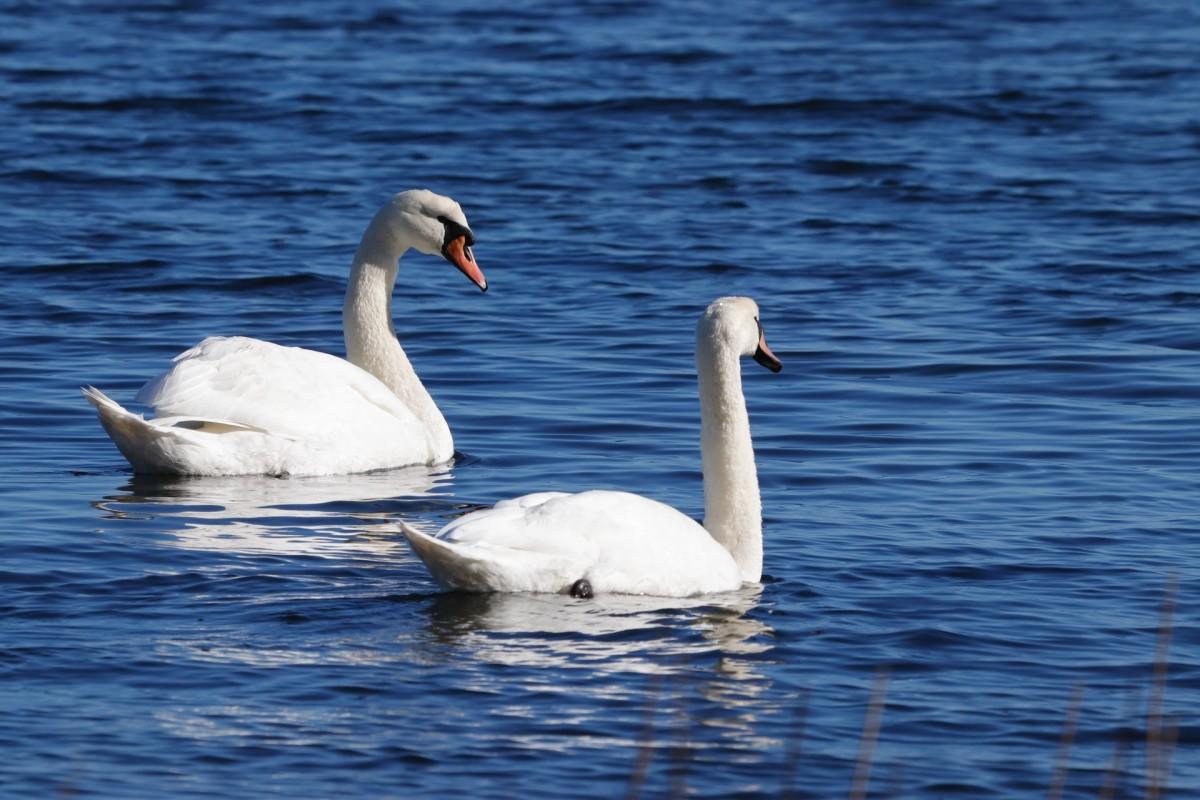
point(239, 406)
point(617, 542)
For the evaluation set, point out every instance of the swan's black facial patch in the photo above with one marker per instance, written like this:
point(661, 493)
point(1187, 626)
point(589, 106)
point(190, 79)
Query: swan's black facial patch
point(582, 588)
point(762, 354)
point(454, 230)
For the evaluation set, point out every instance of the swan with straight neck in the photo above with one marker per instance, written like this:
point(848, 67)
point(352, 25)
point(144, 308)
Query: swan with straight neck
point(616, 542)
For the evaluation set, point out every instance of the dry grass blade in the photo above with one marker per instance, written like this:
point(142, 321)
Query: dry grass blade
point(1159, 744)
point(1116, 768)
point(1064, 745)
point(870, 735)
point(646, 745)
point(681, 752)
point(794, 744)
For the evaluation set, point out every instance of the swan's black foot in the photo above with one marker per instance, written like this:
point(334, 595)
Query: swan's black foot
point(582, 588)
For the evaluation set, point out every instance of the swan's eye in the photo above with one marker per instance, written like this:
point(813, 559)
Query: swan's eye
point(455, 230)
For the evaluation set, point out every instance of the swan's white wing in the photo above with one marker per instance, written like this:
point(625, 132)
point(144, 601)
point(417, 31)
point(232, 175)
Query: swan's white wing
point(286, 391)
point(618, 541)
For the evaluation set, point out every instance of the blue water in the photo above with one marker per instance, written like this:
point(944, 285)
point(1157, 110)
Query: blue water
point(973, 231)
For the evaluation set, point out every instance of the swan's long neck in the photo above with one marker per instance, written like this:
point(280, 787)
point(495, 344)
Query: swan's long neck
point(367, 321)
point(732, 506)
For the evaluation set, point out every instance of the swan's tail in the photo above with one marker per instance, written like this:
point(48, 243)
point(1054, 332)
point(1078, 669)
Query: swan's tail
point(153, 446)
point(103, 403)
point(480, 568)
point(178, 445)
point(136, 438)
point(449, 567)
point(120, 424)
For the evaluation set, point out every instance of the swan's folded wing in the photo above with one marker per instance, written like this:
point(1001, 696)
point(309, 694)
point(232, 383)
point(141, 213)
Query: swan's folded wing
point(285, 390)
point(532, 523)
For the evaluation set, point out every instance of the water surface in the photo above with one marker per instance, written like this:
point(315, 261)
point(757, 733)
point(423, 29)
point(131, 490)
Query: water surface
point(972, 229)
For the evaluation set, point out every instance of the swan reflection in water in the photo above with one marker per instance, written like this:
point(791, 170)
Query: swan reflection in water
point(608, 626)
point(704, 653)
point(328, 515)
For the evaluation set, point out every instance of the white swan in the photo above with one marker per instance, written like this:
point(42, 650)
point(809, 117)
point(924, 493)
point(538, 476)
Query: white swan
point(239, 406)
point(616, 542)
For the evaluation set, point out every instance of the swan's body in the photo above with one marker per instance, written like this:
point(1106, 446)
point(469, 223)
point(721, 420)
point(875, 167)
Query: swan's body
point(617, 542)
point(239, 406)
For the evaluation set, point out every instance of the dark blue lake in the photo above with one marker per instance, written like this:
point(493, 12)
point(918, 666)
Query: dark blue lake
point(973, 230)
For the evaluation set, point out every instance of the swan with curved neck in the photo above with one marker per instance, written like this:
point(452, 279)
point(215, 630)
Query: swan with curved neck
point(239, 406)
point(618, 542)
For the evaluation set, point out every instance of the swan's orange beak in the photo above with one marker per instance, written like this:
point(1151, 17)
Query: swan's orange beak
point(763, 354)
point(458, 253)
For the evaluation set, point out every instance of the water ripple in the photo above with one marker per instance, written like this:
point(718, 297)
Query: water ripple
point(972, 237)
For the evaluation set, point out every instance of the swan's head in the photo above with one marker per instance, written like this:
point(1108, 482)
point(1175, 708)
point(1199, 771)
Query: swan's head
point(733, 323)
point(436, 225)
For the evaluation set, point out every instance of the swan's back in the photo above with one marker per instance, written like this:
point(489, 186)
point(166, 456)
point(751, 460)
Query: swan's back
point(288, 391)
point(619, 542)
